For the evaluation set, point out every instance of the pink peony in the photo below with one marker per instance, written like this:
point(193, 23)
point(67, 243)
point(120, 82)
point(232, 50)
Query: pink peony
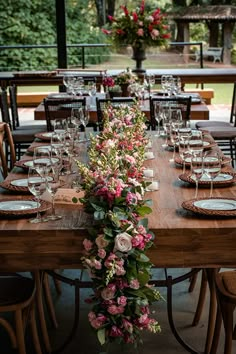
point(140, 32)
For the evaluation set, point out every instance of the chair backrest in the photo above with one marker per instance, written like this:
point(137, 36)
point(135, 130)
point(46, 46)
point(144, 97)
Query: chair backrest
point(61, 108)
point(4, 108)
point(13, 106)
point(103, 103)
point(182, 103)
point(233, 107)
point(6, 141)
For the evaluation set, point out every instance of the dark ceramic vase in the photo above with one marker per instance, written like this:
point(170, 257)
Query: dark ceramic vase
point(139, 55)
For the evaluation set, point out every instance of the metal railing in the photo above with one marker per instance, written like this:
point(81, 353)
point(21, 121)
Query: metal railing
point(85, 46)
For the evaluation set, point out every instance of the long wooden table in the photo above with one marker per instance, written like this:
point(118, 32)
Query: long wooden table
point(198, 112)
point(183, 239)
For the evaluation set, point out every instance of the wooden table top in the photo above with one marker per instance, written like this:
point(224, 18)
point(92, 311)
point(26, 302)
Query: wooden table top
point(198, 112)
point(183, 239)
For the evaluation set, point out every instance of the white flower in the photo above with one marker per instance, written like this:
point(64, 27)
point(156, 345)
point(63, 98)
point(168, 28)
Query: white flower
point(123, 242)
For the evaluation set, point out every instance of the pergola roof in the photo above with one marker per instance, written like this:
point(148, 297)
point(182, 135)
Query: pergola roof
point(219, 13)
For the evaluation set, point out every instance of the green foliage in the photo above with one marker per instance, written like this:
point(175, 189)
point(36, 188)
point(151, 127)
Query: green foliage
point(25, 22)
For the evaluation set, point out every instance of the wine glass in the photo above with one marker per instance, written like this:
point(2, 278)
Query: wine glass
point(37, 186)
point(92, 90)
point(183, 149)
point(174, 136)
point(212, 166)
point(197, 169)
point(42, 160)
point(52, 185)
point(196, 142)
point(84, 118)
point(166, 84)
point(158, 114)
point(166, 123)
point(68, 79)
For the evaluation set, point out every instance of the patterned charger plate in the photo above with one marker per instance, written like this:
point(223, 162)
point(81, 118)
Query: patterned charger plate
point(212, 206)
point(223, 180)
point(22, 206)
point(179, 161)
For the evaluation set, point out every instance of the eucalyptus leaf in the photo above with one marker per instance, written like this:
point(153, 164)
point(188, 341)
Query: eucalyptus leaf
point(101, 336)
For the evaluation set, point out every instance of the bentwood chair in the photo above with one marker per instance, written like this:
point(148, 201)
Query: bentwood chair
point(182, 103)
point(225, 286)
point(6, 139)
point(17, 296)
point(103, 103)
point(61, 108)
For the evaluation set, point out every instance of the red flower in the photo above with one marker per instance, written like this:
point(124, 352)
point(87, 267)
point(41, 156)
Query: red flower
point(166, 36)
point(142, 6)
point(111, 18)
point(135, 17)
point(105, 31)
point(156, 13)
point(120, 32)
point(124, 8)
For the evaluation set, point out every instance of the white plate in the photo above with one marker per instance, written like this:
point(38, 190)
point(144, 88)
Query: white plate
point(23, 182)
point(222, 177)
point(47, 135)
point(42, 160)
point(216, 204)
point(18, 205)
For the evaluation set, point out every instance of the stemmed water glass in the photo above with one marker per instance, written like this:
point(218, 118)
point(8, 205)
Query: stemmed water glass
point(183, 139)
point(84, 119)
point(212, 166)
point(197, 169)
point(158, 114)
point(52, 185)
point(92, 91)
point(37, 186)
point(166, 119)
point(41, 160)
point(166, 84)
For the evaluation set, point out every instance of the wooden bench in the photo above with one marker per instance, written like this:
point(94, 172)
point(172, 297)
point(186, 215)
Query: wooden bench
point(214, 52)
point(207, 94)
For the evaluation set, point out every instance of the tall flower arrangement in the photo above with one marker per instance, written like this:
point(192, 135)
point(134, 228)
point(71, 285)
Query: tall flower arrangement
point(115, 250)
point(138, 28)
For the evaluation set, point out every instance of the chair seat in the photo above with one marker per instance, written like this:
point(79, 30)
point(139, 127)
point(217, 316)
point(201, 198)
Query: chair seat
point(15, 289)
point(39, 128)
point(221, 132)
point(212, 123)
point(24, 135)
point(229, 282)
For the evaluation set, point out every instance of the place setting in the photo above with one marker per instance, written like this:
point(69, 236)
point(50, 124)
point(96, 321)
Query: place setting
point(206, 170)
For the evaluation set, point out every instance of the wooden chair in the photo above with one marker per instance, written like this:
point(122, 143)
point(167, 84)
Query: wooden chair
point(6, 138)
point(102, 103)
point(223, 132)
point(225, 286)
point(22, 137)
point(17, 296)
point(215, 123)
point(61, 108)
point(182, 103)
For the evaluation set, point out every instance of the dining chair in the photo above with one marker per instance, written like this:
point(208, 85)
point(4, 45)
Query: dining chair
point(61, 108)
point(182, 103)
point(103, 103)
point(225, 286)
point(220, 123)
point(22, 138)
point(17, 296)
point(6, 139)
point(16, 124)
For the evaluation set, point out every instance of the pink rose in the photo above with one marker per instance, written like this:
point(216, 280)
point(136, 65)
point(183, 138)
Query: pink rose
point(116, 332)
point(127, 325)
point(87, 244)
point(123, 242)
point(155, 33)
point(115, 310)
point(122, 300)
point(102, 253)
point(134, 284)
point(140, 32)
point(108, 293)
